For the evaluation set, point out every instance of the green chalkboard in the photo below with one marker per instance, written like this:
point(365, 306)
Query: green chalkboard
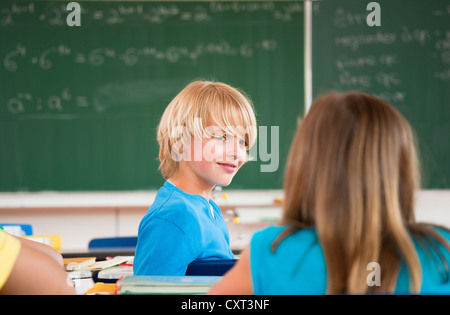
point(79, 106)
point(405, 60)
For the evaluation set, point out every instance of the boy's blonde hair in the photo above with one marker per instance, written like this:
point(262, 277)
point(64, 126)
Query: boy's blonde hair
point(199, 105)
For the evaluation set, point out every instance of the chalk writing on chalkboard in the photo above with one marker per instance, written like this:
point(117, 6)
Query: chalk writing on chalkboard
point(352, 59)
point(55, 15)
point(79, 106)
point(405, 61)
point(133, 55)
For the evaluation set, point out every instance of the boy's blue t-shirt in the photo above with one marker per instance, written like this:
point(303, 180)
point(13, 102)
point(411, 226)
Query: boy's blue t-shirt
point(298, 265)
point(178, 229)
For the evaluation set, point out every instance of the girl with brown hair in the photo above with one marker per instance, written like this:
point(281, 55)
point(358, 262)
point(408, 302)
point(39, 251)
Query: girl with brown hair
point(348, 215)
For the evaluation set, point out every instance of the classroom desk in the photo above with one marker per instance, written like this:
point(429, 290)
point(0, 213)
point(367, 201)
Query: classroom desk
point(111, 252)
point(101, 253)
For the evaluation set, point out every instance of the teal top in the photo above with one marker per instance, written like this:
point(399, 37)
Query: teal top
point(298, 265)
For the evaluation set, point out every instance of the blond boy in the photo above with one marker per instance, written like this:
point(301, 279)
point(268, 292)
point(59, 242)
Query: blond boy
point(204, 135)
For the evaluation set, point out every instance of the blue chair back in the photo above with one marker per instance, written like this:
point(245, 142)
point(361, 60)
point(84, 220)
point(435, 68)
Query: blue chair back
point(212, 267)
point(122, 241)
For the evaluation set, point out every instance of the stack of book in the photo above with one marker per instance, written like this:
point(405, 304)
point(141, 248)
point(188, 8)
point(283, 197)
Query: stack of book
point(166, 284)
point(82, 269)
point(90, 263)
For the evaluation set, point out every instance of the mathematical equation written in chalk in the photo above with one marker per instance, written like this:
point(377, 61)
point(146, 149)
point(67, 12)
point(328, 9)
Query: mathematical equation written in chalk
point(131, 56)
point(26, 102)
point(54, 14)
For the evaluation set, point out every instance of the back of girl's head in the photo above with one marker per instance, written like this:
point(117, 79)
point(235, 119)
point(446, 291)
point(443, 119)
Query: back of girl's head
point(351, 173)
point(199, 105)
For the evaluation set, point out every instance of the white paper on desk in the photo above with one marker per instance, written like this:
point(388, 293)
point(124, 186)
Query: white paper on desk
point(115, 273)
point(100, 265)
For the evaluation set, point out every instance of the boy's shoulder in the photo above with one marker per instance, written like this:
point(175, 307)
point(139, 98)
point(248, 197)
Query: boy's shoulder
point(174, 206)
point(170, 196)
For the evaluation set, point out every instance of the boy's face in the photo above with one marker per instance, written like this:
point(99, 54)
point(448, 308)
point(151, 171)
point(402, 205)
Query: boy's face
point(214, 160)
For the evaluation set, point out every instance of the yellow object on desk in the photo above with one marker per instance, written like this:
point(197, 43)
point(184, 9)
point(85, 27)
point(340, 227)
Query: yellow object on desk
point(101, 288)
point(278, 201)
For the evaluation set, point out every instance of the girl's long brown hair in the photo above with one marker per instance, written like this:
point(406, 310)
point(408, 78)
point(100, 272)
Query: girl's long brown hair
point(352, 173)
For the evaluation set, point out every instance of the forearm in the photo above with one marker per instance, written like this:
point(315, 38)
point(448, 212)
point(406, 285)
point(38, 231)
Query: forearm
point(36, 272)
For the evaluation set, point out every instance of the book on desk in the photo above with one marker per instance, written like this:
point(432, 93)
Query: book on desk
point(166, 284)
